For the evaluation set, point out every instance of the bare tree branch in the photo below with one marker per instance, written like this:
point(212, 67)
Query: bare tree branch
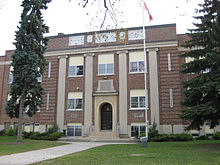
point(104, 18)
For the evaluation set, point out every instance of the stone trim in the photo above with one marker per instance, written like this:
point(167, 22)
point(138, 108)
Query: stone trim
point(109, 49)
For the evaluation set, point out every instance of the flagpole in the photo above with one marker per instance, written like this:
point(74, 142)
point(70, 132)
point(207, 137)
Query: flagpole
point(145, 73)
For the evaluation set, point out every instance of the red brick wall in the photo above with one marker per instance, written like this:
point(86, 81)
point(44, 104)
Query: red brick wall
point(167, 80)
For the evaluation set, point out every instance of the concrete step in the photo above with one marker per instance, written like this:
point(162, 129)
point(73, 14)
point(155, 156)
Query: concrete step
point(104, 135)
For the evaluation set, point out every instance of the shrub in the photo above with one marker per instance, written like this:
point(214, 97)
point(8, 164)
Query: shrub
point(53, 129)
point(172, 137)
point(2, 132)
point(153, 132)
point(216, 135)
point(10, 132)
point(203, 137)
point(35, 136)
point(27, 134)
point(55, 136)
point(42, 136)
point(142, 135)
point(184, 137)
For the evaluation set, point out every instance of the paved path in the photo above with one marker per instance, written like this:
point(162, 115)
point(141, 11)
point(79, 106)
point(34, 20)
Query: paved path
point(48, 153)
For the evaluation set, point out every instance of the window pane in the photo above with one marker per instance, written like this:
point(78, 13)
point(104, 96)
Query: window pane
point(70, 130)
point(10, 78)
point(141, 66)
point(142, 129)
point(70, 104)
point(101, 68)
point(134, 102)
point(141, 101)
point(134, 131)
point(78, 104)
point(110, 68)
point(39, 79)
point(78, 130)
point(133, 66)
point(72, 70)
point(80, 70)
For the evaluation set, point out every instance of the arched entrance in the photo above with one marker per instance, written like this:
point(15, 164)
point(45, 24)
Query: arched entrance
point(106, 117)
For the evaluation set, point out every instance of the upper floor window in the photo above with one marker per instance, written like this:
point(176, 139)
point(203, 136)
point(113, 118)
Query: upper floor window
point(137, 99)
point(75, 66)
point(136, 62)
point(106, 64)
point(10, 75)
point(75, 101)
point(169, 62)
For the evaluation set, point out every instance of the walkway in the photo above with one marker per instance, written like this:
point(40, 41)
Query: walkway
point(48, 153)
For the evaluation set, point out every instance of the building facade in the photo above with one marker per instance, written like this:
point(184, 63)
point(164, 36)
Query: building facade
point(94, 83)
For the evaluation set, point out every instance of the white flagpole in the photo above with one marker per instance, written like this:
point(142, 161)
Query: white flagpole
point(145, 72)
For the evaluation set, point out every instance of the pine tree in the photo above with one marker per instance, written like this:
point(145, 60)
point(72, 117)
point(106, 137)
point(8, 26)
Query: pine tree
point(28, 63)
point(202, 92)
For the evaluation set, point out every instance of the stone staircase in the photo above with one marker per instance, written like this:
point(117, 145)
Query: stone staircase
point(102, 136)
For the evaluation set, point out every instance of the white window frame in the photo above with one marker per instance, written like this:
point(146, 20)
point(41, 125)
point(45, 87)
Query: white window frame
point(74, 129)
point(75, 73)
point(106, 69)
point(139, 128)
point(138, 67)
point(137, 108)
point(74, 103)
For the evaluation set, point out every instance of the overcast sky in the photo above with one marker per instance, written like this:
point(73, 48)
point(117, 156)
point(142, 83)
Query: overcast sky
point(69, 17)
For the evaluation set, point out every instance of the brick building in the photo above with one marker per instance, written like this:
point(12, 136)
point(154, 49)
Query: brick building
point(94, 83)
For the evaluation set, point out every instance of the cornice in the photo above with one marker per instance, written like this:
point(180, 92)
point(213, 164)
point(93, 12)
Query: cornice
point(116, 48)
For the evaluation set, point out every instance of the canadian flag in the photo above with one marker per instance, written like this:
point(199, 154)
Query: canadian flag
point(148, 11)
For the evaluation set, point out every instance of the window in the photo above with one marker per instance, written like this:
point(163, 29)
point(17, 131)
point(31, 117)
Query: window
point(136, 62)
point(106, 64)
point(171, 97)
point(36, 127)
point(74, 130)
point(10, 75)
point(137, 66)
point(49, 69)
point(137, 99)
point(169, 62)
point(75, 101)
point(48, 101)
point(76, 66)
point(137, 130)
point(27, 127)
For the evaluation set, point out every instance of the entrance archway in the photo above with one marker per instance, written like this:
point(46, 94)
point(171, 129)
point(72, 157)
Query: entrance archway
point(106, 117)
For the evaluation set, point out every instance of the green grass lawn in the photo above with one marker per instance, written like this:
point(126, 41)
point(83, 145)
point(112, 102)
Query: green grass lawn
point(206, 152)
point(8, 145)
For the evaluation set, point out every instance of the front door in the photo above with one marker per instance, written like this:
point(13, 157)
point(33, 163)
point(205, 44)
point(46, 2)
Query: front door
point(106, 117)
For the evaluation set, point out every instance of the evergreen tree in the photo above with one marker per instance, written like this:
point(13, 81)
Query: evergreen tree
point(202, 92)
point(28, 63)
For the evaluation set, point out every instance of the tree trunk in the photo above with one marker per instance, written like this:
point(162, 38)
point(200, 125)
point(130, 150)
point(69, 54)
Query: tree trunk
point(20, 122)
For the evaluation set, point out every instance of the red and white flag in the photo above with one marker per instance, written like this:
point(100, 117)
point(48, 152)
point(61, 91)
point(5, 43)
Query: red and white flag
point(148, 11)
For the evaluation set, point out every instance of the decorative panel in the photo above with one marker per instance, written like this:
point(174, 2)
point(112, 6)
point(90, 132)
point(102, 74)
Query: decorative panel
point(135, 34)
point(105, 37)
point(76, 40)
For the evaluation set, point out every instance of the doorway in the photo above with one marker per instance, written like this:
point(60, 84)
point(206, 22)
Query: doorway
point(106, 117)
